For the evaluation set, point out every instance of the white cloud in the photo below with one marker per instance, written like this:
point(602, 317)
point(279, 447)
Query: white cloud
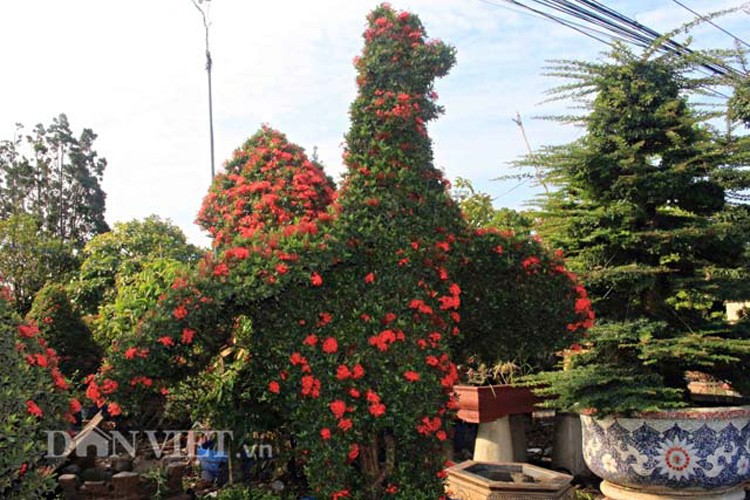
point(134, 72)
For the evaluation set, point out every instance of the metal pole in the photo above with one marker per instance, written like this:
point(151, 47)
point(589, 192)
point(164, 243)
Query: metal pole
point(209, 63)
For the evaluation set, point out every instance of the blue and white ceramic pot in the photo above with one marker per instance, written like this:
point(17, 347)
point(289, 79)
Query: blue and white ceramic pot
point(695, 452)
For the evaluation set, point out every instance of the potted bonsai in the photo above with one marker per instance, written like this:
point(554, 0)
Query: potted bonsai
point(644, 206)
point(519, 303)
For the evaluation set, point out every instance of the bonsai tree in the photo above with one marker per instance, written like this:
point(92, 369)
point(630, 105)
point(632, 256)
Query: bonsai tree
point(644, 208)
point(520, 304)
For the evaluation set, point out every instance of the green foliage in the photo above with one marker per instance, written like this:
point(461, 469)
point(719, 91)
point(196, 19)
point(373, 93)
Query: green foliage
point(642, 208)
point(29, 258)
point(54, 176)
point(113, 258)
point(479, 212)
point(241, 492)
point(33, 399)
point(503, 272)
point(65, 331)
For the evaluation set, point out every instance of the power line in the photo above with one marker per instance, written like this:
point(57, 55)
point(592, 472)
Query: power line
point(599, 22)
point(709, 21)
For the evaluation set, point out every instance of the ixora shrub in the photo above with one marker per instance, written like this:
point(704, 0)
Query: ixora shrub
point(335, 311)
point(65, 331)
point(644, 209)
point(34, 397)
point(362, 350)
point(168, 325)
point(268, 183)
point(519, 302)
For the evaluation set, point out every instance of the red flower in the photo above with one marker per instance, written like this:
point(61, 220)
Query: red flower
point(499, 249)
point(33, 409)
point(114, 409)
point(441, 435)
point(130, 352)
point(310, 386)
point(431, 360)
point(345, 424)
point(221, 269)
point(340, 494)
point(59, 380)
point(338, 408)
point(92, 391)
point(74, 406)
point(273, 387)
point(187, 336)
point(330, 345)
point(358, 371)
point(282, 269)
point(377, 409)
point(370, 278)
point(41, 360)
point(353, 452)
point(238, 253)
point(28, 330)
point(325, 433)
point(311, 340)
point(325, 318)
point(297, 359)
point(180, 312)
point(391, 489)
point(165, 341)
point(343, 372)
point(529, 263)
point(354, 393)
point(23, 469)
point(372, 397)
point(411, 376)
point(316, 279)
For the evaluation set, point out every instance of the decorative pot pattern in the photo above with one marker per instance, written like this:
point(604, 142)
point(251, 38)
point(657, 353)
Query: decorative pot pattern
point(698, 449)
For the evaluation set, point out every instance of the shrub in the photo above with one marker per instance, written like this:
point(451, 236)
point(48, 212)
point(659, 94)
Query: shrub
point(65, 331)
point(34, 397)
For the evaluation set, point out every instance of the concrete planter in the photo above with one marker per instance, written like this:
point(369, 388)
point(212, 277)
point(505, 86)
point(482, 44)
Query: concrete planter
point(498, 409)
point(473, 480)
point(691, 453)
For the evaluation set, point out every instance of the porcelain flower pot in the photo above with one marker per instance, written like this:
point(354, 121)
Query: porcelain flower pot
point(696, 452)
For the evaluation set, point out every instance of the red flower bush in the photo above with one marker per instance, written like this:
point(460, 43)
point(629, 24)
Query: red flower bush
point(35, 398)
point(339, 315)
point(268, 183)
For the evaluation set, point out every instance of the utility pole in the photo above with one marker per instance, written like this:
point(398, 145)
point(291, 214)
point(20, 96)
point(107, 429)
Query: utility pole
point(209, 64)
point(539, 176)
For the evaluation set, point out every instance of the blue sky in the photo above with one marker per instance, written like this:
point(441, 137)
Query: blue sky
point(134, 72)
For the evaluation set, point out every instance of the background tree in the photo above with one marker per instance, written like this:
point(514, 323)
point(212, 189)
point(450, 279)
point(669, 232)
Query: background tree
point(643, 208)
point(55, 176)
point(113, 258)
point(29, 258)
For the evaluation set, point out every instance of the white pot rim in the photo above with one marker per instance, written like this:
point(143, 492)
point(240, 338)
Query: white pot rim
point(690, 413)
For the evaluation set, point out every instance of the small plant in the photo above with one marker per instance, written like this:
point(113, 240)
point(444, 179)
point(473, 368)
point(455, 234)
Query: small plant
point(501, 372)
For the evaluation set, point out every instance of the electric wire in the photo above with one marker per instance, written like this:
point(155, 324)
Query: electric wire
point(709, 21)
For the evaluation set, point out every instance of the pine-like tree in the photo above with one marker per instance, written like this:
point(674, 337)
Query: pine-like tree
point(643, 210)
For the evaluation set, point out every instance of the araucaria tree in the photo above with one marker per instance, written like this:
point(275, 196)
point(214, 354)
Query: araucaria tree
point(644, 209)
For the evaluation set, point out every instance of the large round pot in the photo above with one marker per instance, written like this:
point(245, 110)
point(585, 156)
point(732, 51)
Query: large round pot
point(699, 452)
